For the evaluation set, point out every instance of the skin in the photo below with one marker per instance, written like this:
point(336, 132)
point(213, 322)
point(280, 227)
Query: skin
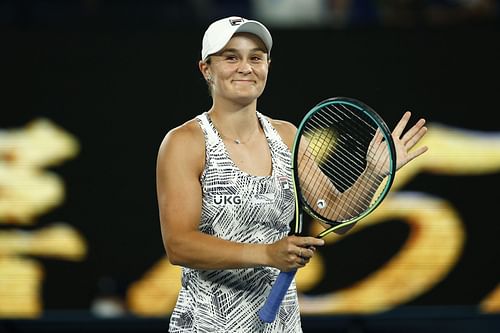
point(237, 76)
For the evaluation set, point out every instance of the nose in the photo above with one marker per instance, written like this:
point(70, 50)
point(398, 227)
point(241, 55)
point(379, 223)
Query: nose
point(245, 67)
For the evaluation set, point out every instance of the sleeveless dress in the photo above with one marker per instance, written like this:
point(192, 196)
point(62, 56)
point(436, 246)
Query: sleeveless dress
point(243, 208)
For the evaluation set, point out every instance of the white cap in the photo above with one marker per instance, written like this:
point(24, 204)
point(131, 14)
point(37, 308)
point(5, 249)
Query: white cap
point(220, 32)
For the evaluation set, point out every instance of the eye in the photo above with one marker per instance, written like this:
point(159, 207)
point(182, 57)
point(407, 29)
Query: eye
point(257, 58)
point(231, 58)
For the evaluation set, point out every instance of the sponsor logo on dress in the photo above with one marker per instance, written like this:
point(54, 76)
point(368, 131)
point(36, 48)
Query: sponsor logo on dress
point(263, 198)
point(227, 199)
point(285, 185)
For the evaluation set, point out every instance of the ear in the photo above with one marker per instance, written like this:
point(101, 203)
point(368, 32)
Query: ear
point(204, 69)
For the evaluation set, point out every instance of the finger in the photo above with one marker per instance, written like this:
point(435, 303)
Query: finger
point(305, 253)
point(311, 241)
point(301, 262)
point(377, 138)
point(416, 153)
point(416, 137)
point(414, 131)
point(398, 130)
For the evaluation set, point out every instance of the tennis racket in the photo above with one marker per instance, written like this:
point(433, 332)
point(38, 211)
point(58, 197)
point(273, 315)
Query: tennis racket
point(343, 165)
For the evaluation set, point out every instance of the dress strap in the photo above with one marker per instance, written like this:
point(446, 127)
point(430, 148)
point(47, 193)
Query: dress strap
point(211, 136)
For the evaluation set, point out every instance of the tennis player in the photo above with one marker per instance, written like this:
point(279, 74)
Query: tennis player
point(225, 193)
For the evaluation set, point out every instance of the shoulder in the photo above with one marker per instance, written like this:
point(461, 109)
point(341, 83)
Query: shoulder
point(285, 129)
point(188, 130)
point(183, 143)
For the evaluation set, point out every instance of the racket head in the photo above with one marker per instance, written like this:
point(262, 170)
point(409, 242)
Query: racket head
point(341, 142)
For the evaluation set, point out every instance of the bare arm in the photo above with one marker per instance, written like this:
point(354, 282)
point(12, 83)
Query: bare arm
point(341, 206)
point(179, 165)
point(363, 190)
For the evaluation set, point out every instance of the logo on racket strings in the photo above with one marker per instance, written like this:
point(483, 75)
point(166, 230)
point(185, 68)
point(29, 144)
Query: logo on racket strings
point(321, 203)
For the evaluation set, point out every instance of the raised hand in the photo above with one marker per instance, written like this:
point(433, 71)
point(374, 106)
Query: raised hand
point(377, 158)
point(405, 142)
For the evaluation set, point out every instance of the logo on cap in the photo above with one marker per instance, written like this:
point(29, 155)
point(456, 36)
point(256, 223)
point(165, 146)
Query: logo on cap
point(236, 21)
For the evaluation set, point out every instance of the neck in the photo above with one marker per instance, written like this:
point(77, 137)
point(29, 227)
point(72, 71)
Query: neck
point(229, 106)
point(235, 125)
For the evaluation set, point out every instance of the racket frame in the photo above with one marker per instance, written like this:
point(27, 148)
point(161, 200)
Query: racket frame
point(301, 204)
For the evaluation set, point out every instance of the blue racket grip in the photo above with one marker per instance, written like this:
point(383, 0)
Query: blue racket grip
point(268, 312)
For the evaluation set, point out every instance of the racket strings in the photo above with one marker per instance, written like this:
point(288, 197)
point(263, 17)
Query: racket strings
point(380, 155)
point(327, 123)
point(322, 187)
point(335, 137)
point(360, 152)
point(345, 155)
point(318, 199)
point(372, 130)
point(341, 212)
point(328, 150)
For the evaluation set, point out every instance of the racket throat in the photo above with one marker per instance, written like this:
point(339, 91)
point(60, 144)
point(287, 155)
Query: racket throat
point(297, 224)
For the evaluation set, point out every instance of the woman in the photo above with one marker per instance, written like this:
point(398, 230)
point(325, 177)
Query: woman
point(225, 193)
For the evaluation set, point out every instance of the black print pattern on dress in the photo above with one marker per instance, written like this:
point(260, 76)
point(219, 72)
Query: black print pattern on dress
point(242, 208)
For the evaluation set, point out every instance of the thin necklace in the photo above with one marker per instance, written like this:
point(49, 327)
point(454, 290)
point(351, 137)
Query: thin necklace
point(238, 141)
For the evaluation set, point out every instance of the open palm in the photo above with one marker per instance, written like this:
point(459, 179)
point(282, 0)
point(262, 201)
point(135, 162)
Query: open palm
point(377, 155)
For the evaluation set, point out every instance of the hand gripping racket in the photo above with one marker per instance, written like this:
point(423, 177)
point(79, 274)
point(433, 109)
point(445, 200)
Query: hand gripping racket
point(343, 166)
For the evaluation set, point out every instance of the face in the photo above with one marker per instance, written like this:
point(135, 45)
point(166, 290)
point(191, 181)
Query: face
point(239, 71)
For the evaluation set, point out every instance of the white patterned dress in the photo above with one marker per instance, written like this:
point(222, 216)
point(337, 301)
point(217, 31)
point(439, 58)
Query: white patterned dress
point(242, 208)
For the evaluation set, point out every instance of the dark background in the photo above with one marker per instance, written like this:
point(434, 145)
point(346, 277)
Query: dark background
point(119, 85)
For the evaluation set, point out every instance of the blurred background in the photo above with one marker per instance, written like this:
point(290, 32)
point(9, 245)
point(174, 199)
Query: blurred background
point(90, 88)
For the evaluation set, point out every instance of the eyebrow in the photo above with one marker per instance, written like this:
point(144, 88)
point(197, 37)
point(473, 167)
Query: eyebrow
point(237, 51)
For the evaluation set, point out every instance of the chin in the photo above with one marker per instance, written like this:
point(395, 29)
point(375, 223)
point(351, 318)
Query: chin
point(248, 95)
point(246, 98)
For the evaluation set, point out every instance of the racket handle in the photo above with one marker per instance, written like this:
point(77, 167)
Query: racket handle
point(268, 312)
